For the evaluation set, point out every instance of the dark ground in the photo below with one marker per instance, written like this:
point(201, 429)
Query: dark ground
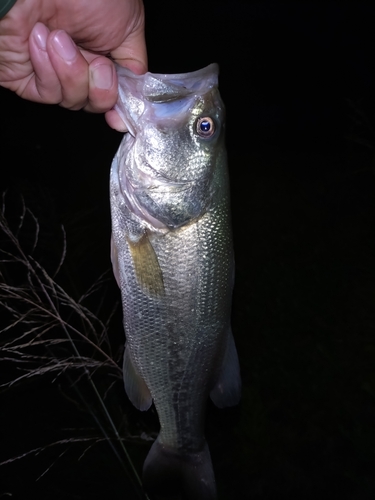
point(297, 80)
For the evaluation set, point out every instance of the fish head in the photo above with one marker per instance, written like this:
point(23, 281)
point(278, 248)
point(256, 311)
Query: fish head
point(177, 128)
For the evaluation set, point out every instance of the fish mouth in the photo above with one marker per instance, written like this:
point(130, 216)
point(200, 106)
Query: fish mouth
point(155, 180)
point(159, 88)
point(162, 181)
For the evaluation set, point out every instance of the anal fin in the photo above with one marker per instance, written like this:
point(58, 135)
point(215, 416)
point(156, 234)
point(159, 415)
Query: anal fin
point(135, 386)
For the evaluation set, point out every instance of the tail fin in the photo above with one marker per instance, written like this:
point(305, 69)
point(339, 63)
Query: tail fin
point(167, 471)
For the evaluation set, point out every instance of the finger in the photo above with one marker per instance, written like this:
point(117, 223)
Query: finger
point(71, 68)
point(114, 121)
point(102, 94)
point(44, 84)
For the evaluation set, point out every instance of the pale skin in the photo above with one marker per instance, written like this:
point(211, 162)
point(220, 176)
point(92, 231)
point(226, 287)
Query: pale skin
point(54, 51)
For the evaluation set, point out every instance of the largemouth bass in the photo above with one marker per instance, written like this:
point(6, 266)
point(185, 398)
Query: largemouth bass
point(173, 260)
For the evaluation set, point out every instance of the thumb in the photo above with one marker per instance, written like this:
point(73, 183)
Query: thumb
point(132, 53)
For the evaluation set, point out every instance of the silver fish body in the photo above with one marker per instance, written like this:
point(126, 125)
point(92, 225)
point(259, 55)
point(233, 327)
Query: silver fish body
point(173, 260)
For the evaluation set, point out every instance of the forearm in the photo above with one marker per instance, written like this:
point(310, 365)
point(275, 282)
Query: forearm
point(5, 6)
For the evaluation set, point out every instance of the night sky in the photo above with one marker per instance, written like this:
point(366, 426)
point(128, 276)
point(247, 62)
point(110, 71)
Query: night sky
point(298, 82)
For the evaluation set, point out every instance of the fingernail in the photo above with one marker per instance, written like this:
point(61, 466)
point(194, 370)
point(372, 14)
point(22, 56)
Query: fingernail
point(102, 76)
point(64, 46)
point(40, 34)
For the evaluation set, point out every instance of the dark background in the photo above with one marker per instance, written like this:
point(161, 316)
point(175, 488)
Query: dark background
point(298, 82)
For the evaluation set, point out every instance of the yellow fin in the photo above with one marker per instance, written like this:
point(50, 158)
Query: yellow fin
point(146, 265)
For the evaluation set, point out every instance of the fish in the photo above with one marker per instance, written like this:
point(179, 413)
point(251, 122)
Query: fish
point(172, 257)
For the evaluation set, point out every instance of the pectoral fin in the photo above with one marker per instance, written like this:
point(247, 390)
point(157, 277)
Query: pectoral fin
point(227, 391)
point(146, 265)
point(135, 386)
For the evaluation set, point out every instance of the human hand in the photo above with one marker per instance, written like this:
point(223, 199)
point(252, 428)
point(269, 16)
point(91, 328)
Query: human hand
point(40, 61)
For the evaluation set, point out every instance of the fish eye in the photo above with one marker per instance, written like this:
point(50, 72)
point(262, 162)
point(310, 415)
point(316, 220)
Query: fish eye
point(205, 127)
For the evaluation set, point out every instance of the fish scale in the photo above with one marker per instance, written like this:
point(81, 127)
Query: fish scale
point(172, 257)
